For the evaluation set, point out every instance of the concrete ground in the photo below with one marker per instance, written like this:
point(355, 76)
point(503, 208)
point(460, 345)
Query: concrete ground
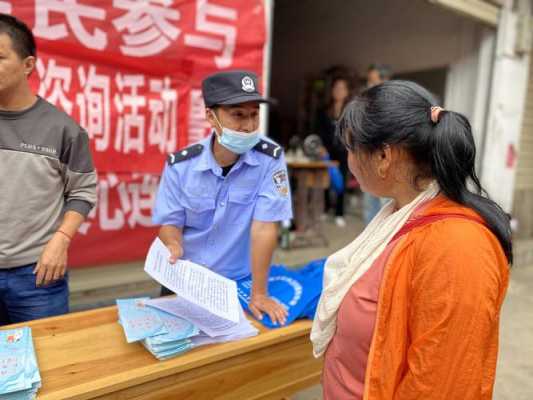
point(95, 287)
point(514, 376)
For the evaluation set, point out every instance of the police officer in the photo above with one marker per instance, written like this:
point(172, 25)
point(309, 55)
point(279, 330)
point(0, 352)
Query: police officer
point(220, 199)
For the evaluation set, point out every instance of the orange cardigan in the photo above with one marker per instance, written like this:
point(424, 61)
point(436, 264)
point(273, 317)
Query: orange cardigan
point(436, 331)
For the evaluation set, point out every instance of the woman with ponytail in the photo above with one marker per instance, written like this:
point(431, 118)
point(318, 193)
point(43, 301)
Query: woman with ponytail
point(410, 309)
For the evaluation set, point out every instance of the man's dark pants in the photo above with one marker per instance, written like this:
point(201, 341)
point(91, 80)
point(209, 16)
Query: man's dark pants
point(21, 300)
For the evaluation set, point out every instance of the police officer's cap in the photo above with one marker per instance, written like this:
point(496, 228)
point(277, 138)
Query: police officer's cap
point(231, 87)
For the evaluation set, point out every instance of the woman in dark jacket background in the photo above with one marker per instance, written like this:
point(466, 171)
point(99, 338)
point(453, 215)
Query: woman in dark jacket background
point(326, 125)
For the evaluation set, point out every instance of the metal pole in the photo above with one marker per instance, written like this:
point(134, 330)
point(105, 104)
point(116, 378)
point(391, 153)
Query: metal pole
point(267, 56)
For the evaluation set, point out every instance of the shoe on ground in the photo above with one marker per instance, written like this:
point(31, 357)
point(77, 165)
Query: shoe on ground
point(340, 222)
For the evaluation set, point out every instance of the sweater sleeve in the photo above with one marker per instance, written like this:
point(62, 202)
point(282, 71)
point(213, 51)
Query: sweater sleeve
point(80, 175)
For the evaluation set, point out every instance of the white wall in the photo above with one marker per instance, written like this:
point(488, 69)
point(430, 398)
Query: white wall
point(468, 85)
point(506, 112)
point(410, 35)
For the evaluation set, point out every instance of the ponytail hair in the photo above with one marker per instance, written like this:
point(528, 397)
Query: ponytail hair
point(453, 166)
point(399, 113)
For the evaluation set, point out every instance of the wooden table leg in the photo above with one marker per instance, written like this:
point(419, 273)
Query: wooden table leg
point(309, 206)
point(301, 202)
point(317, 205)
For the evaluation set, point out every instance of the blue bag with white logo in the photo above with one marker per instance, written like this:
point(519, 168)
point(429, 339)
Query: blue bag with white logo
point(297, 290)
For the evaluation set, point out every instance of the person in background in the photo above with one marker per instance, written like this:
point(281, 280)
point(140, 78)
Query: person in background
point(410, 309)
point(47, 186)
point(326, 125)
point(376, 74)
point(220, 200)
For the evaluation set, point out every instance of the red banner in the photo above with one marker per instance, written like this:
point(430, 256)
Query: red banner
point(130, 71)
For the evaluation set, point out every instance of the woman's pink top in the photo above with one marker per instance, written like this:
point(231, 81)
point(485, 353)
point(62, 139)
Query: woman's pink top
point(345, 359)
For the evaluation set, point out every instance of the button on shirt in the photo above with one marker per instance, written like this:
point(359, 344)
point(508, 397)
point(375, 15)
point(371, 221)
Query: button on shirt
point(216, 212)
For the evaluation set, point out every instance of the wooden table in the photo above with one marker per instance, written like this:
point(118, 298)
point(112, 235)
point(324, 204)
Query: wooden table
point(312, 180)
point(85, 356)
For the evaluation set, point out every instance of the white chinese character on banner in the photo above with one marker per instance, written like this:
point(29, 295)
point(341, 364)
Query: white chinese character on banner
point(73, 12)
point(138, 198)
point(199, 128)
point(226, 46)
point(101, 210)
point(132, 121)
point(54, 82)
point(109, 220)
point(163, 126)
point(94, 106)
point(149, 31)
point(5, 7)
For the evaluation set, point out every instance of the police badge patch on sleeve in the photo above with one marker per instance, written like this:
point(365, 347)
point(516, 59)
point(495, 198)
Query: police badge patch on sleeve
point(281, 182)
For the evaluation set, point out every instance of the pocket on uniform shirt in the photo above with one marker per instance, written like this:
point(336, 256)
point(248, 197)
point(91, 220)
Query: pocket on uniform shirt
point(241, 205)
point(199, 213)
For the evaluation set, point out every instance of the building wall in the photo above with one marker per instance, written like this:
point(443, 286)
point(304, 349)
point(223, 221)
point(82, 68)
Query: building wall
point(410, 35)
point(508, 95)
point(523, 197)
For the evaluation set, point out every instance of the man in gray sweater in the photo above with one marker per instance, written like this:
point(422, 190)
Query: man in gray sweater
point(47, 186)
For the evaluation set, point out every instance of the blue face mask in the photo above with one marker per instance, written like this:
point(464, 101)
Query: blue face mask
point(235, 141)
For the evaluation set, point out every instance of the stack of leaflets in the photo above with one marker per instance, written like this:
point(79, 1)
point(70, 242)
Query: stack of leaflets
point(164, 335)
point(204, 298)
point(206, 309)
point(19, 373)
point(213, 329)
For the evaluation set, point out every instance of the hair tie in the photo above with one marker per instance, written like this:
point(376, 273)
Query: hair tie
point(435, 113)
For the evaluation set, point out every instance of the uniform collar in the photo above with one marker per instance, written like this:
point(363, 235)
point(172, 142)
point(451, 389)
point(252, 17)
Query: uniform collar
point(250, 158)
point(207, 160)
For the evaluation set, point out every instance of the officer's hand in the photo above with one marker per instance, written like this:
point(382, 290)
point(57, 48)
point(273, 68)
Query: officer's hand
point(52, 263)
point(176, 252)
point(262, 303)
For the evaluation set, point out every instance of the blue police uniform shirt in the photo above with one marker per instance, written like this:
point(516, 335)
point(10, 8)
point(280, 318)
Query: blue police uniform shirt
point(216, 212)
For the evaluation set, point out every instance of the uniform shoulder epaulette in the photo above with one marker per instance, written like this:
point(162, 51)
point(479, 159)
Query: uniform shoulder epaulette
point(270, 149)
point(185, 154)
